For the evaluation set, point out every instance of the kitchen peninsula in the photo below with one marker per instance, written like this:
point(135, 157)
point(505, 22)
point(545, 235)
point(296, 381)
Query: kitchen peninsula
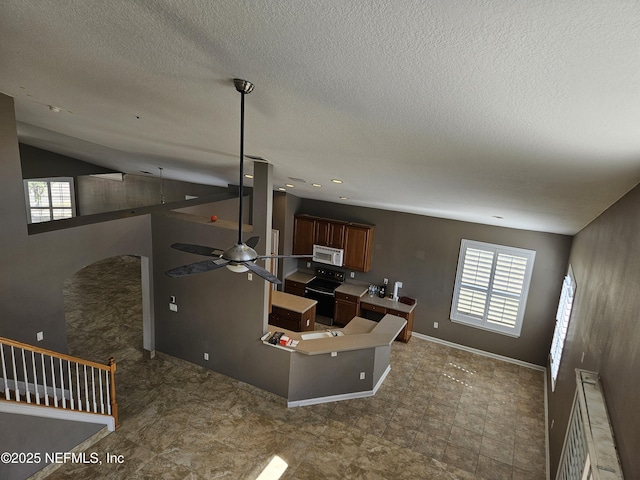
point(292, 312)
point(341, 363)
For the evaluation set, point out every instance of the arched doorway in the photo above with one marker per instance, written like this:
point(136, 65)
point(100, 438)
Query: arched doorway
point(107, 309)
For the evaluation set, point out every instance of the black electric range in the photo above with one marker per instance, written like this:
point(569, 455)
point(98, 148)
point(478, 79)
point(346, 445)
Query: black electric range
point(322, 289)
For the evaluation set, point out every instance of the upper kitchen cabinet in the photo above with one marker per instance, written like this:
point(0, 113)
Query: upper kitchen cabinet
point(303, 235)
point(329, 233)
point(358, 247)
point(355, 239)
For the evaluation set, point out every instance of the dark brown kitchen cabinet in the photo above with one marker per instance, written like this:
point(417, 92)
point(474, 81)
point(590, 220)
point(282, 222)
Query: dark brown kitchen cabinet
point(358, 247)
point(294, 321)
point(381, 310)
point(329, 233)
point(355, 239)
point(294, 288)
point(347, 307)
point(303, 235)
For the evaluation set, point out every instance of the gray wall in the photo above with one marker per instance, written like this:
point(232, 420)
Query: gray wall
point(35, 266)
point(220, 312)
point(38, 163)
point(605, 325)
point(60, 436)
point(97, 195)
point(422, 252)
point(284, 207)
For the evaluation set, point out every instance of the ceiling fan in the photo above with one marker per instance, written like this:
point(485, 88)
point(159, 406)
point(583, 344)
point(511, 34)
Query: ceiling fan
point(240, 257)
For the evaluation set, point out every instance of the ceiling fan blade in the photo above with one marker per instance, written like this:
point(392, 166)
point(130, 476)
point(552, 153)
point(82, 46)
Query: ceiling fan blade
point(252, 242)
point(258, 270)
point(192, 268)
point(261, 257)
point(197, 249)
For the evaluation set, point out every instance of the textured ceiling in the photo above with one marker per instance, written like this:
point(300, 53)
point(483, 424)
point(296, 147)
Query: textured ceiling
point(470, 110)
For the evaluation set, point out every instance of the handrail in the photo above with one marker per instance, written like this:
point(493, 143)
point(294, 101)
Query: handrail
point(42, 377)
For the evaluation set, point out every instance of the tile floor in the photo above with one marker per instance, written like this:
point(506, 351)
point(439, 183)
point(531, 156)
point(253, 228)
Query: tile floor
point(442, 413)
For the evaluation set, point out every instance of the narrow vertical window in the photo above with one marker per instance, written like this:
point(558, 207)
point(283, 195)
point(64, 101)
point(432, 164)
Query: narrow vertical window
point(562, 324)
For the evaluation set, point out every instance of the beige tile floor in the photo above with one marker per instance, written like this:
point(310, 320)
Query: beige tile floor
point(442, 413)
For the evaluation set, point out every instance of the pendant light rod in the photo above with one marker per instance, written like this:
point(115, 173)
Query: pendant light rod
point(244, 87)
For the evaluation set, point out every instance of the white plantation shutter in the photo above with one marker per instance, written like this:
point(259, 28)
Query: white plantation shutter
point(491, 287)
point(49, 199)
point(562, 324)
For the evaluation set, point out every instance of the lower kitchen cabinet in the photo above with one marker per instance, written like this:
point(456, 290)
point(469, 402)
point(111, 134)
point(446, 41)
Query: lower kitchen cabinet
point(405, 334)
point(378, 309)
point(347, 307)
point(294, 321)
point(294, 288)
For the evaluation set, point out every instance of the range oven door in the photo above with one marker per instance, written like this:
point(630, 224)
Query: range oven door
point(326, 301)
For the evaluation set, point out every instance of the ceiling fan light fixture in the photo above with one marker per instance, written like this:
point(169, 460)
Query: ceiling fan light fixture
point(237, 268)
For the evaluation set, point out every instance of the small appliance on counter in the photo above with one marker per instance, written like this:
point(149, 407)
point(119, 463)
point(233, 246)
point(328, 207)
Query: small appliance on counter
point(382, 289)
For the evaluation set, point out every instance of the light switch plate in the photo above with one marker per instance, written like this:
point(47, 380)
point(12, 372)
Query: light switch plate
point(173, 307)
point(40, 336)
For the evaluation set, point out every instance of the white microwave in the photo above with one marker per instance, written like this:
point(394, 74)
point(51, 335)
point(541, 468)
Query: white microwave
point(328, 255)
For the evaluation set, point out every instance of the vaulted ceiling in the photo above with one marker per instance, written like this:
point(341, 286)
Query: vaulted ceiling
point(520, 114)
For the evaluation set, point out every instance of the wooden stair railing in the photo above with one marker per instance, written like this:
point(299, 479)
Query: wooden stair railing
point(36, 376)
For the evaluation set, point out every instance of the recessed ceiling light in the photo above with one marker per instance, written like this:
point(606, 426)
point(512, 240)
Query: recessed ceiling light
point(248, 175)
point(290, 185)
point(336, 180)
point(316, 185)
point(498, 217)
point(344, 198)
point(282, 189)
point(55, 109)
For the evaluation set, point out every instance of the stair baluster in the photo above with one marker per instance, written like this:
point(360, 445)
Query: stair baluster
point(69, 390)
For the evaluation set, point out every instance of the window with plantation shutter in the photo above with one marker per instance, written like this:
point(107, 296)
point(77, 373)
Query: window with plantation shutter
point(492, 283)
point(49, 199)
point(562, 324)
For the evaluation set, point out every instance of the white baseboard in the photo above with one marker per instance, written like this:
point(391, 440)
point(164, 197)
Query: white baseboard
point(479, 352)
point(344, 396)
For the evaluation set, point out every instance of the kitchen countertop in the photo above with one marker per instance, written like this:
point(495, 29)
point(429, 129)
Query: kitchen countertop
point(290, 302)
point(388, 303)
point(355, 289)
point(300, 277)
point(359, 334)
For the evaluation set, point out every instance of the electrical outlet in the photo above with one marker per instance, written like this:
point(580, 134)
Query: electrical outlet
point(352, 274)
point(582, 358)
point(250, 276)
point(435, 324)
point(206, 356)
point(334, 354)
point(308, 264)
point(362, 375)
point(386, 281)
point(40, 336)
point(173, 307)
